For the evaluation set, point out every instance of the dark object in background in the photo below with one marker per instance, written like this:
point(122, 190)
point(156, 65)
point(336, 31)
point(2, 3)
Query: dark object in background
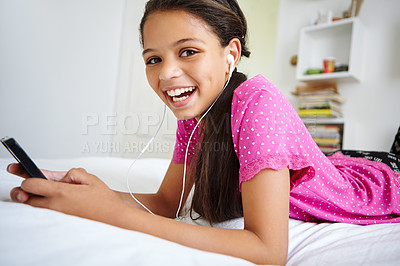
point(340, 68)
point(396, 144)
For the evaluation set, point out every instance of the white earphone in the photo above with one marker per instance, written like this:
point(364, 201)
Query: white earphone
point(231, 62)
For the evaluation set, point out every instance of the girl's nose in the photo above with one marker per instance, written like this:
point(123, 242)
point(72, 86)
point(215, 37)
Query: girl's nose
point(169, 69)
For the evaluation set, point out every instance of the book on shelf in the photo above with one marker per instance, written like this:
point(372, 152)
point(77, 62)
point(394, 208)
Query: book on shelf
point(326, 141)
point(320, 105)
point(322, 113)
point(334, 97)
point(321, 100)
point(316, 88)
point(328, 137)
point(331, 131)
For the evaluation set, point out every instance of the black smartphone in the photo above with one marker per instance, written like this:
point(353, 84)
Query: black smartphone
point(20, 155)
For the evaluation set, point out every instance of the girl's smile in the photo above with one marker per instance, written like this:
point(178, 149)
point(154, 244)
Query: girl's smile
point(179, 96)
point(185, 63)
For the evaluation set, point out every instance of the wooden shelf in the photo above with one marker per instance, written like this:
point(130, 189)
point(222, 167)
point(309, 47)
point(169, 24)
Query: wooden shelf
point(327, 133)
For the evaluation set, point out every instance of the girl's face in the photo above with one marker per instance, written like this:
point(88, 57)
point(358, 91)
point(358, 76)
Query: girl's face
point(185, 63)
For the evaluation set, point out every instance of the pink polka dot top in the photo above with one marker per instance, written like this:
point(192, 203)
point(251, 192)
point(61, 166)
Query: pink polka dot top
point(268, 133)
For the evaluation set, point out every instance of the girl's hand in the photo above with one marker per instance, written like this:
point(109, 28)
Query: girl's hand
point(17, 194)
point(74, 192)
point(17, 169)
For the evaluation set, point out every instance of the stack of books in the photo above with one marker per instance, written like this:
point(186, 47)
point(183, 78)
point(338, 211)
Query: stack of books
point(328, 137)
point(319, 101)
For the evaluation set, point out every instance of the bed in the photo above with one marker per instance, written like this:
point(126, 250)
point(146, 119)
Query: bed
point(33, 236)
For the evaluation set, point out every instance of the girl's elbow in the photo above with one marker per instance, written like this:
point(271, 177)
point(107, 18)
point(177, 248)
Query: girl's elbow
point(273, 257)
point(281, 260)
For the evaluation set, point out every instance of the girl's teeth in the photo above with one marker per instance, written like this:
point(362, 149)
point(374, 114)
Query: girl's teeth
point(178, 92)
point(176, 99)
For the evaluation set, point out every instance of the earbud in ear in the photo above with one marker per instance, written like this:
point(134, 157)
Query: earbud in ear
point(231, 62)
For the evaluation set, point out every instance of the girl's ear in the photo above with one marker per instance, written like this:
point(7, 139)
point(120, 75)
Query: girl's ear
point(234, 48)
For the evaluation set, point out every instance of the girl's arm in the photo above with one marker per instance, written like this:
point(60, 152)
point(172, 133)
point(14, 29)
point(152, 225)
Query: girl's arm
point(264, 239)
point(164, 202)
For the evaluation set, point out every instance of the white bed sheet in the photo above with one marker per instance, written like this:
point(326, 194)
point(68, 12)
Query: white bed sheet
point(43, 237)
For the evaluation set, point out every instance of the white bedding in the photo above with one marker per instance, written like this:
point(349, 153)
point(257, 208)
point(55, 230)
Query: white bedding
point(33, 236)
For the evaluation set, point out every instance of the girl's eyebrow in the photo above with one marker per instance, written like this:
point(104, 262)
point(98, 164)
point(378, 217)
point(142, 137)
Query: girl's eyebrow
point(179, 42)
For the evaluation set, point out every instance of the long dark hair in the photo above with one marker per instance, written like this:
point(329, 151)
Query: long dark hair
point(216, 195)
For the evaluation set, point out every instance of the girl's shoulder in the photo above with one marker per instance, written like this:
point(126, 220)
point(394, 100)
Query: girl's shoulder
point(255, 85)
point(257, 92)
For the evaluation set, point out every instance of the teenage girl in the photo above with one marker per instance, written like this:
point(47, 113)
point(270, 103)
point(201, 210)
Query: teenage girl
point(249, 155)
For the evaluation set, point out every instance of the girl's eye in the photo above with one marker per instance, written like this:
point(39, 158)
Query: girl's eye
point(153, 60)
point(188, 53)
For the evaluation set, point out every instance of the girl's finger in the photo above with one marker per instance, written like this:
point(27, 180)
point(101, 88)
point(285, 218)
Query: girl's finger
point(40, 186)
point(18, 195)
point(17, 169)
point(79, 176)
point(37, 201)
point(49, 188)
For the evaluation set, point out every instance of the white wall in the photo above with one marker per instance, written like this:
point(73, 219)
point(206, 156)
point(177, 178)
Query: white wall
point(58, 71)
point(262, 20)
point(63, 66)
point(77, 71)
point(139, 110)
point(372, 111)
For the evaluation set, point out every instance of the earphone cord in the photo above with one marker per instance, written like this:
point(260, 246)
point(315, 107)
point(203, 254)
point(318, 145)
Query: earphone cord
point(187, 147)
point(137, 158)
point(186, 154)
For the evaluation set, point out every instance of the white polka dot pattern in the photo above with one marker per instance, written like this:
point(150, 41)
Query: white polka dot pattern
point(268, 133)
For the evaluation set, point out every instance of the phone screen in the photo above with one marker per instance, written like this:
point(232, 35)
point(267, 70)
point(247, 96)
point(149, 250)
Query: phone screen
point(20, 155)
